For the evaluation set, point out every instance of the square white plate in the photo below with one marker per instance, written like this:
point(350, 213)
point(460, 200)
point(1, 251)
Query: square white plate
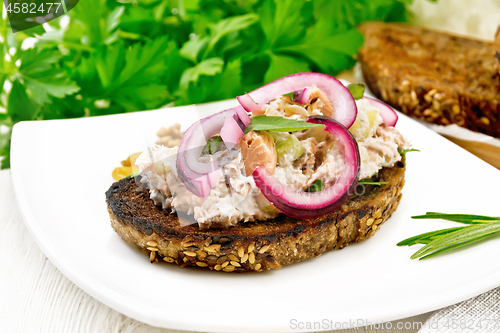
point(62, 168)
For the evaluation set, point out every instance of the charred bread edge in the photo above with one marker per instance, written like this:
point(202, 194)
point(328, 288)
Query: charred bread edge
point(279, 242)
point(431, 101)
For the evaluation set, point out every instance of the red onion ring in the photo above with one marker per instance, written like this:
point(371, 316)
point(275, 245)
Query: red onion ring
point(234, 127)
point(302, 205)
point(242, 115)
point(198, 177)
point(342, 101)
point(297, 95)
point(304, 96)
point(388, 115)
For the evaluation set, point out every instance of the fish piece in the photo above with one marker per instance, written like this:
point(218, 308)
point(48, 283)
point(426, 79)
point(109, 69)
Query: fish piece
point(257, 148)
point(316, 94)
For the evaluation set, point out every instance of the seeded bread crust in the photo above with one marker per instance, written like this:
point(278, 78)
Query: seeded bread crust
point(433, 75)
point(252, 246)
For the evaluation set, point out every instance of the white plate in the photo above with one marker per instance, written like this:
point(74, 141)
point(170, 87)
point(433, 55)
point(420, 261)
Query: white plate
point(62, 168)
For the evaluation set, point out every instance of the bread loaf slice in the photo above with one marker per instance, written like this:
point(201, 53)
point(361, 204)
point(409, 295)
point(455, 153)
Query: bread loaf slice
point(251, 246)
point(435, 76)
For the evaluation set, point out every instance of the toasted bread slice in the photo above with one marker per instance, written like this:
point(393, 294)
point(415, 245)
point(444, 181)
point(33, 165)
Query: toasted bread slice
point(251, 246)
point(434, 76)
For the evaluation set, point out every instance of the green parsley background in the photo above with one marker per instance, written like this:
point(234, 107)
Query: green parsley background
point(108, 57)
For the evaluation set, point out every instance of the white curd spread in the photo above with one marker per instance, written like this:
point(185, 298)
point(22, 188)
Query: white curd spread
point(315, 155)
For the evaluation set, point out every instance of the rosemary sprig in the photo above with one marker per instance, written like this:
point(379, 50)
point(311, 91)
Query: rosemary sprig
point(462, 218)
point(437, 242)
point(364, 182)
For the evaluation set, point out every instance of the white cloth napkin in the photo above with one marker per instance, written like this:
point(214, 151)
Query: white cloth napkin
point(479, 314)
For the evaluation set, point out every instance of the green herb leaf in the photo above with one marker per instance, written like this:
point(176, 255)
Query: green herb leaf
point(133, 175)
point(425, 238)
point(461, 218)
point(227, 26)
point(42, 76)
point(5, 148)
point(363, 182)
point(316, 186)
point(192, 48)
point(357, 90)
point(227, 84)
point(113, 20)
point(466, 234)
point(278, 124)
point(212, 145)
point(89, 14)
point(5, 156)
point(142, 61)
point(455, 246)
point(345, 14)
point(281, 65)
point(129, 78)
point(437, 242)
point(283, 21)
point(328, 43)
point(20, 106)
point(403, 152)
point(208, 67)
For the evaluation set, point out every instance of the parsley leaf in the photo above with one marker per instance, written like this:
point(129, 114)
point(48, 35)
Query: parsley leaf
point(227, 26)
point(5, 132)
point(5, 150)
point(99, 25)
point(193, 47)
point(283, 21)
point(227, 85)
point(20, 106)
point(209, 67)
point(329, 45)
point(281, 65)
point(42, 77)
